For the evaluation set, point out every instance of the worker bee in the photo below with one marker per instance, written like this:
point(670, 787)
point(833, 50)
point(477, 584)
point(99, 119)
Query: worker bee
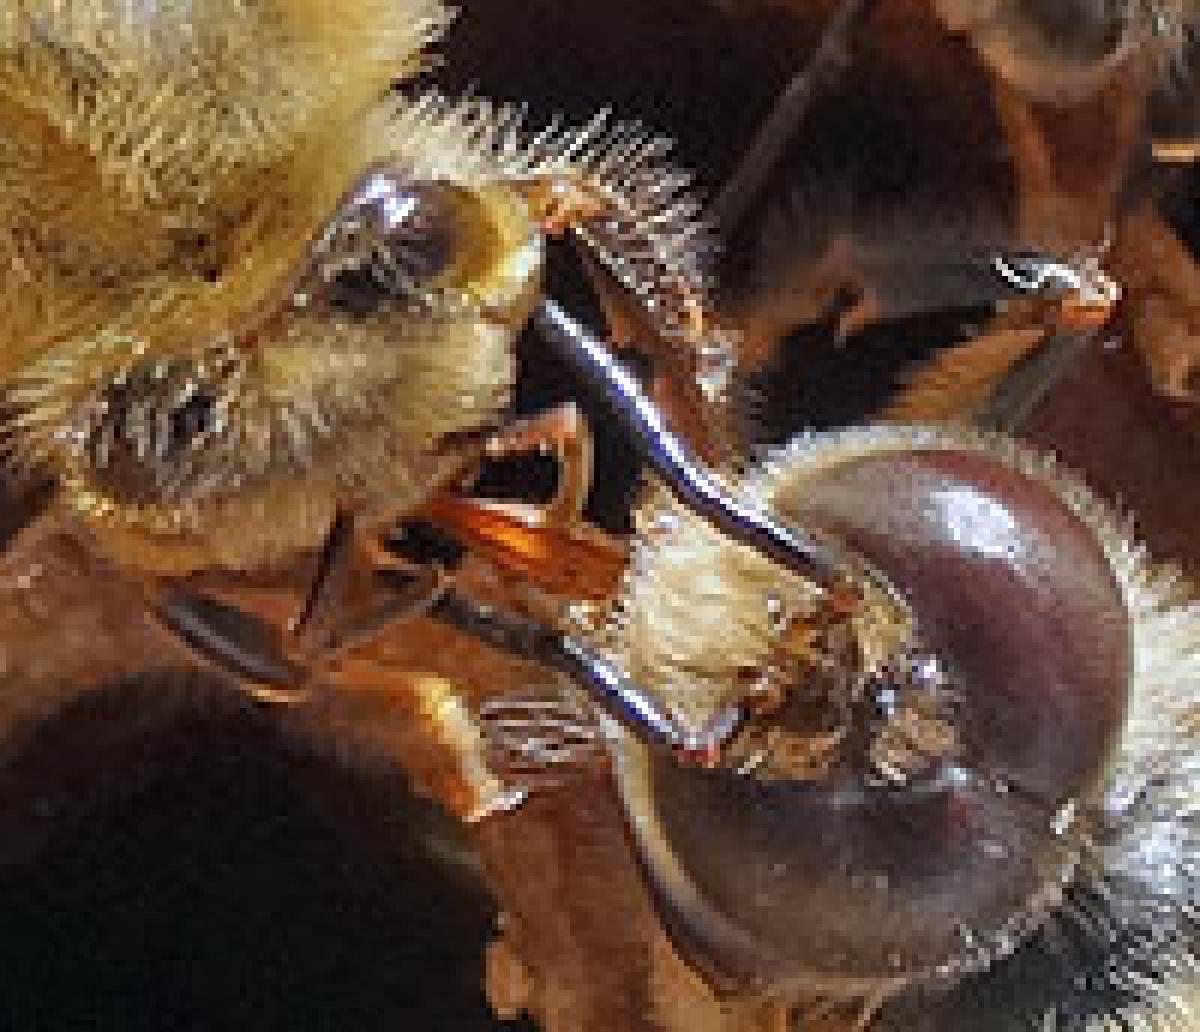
point(900, 161)
point(263, 305)
point(256, 294)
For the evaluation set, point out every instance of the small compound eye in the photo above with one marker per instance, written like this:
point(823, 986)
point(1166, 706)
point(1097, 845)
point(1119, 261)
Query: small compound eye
point(894, 813)
point(145, 433)
point(400, 239)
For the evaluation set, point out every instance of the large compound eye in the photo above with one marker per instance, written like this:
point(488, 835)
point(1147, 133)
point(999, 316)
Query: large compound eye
point(397, 239)
point(1051, 49)
point(890, 815)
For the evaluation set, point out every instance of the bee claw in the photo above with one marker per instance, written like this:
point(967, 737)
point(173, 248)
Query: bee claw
point(505, 801)
point(863, 314)
point(561, 432)
point(232, 640)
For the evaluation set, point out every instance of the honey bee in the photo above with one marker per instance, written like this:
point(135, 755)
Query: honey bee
point(1063, 115)
point(262, 307)
point(257, 297)
point(1071, 907)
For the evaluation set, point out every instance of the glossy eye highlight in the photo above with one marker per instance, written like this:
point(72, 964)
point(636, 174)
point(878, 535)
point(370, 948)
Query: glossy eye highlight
point(396, 238)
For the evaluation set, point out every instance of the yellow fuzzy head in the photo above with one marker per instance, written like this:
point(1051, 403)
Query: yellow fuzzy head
point(251, 282)
point(177, 102)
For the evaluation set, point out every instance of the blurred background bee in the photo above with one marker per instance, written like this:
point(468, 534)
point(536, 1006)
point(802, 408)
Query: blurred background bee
point(248, 832)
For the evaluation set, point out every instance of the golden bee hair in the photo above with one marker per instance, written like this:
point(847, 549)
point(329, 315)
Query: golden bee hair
point(178, 205)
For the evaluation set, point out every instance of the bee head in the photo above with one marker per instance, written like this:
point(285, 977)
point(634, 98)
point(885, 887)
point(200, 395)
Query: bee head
point(919, 787)
point(253, 280)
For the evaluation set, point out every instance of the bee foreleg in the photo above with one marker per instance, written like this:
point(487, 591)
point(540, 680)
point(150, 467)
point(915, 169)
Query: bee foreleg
point(359, 589)
point(579, 562)
point(606, 685)
point(397, 597)
point(332, 569)
point(230, 639)
point(564, 433)
point(423, 718)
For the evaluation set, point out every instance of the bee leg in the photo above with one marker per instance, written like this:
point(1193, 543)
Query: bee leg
point(830, 57)
point(280, 665)
point(960, 383)
point(231, 640)
point(424, 718)
point(393, 599)
point(1163, 283)
point(578, 562)
point(1016, 395)
point(865, 312)
point(549, 546)
point(672, 459)
point(608, 687)
point(563, 432)
point(352, 597)
point(328, 581)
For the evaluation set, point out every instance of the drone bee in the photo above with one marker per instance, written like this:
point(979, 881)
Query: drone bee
point(964, 851)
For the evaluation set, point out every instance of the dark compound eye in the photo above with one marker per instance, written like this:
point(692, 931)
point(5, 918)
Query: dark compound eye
point(143, 429)
point(398, 239)
point(905, 823)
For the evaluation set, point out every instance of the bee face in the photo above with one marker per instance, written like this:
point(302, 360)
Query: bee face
point(257, 287)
